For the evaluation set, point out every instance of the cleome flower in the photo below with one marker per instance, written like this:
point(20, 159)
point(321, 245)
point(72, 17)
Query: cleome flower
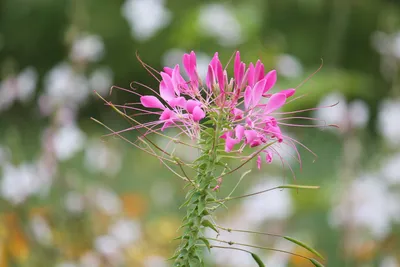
point(245, 101)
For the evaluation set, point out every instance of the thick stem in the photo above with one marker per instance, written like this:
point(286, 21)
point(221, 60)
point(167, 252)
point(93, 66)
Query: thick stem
point(192, 244)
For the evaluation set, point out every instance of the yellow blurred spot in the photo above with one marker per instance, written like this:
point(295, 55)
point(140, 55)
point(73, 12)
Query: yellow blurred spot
point(3, 255)
point(366, 251)
point(301, 262)
point(135, 205)
point(17, 242)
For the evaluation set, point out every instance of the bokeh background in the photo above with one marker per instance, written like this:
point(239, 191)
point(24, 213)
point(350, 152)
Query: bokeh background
point(70, 197)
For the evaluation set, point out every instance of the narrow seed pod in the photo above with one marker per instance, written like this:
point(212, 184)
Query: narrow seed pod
point(258, 260)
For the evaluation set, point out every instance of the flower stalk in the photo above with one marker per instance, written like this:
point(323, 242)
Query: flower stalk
point(225, 117)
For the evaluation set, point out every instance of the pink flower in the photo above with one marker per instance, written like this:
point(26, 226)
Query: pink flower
point(247, 99)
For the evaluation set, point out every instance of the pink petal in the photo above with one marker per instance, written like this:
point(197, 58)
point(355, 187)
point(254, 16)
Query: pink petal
point(237, 113)
point(271, 80)
point(247, 97)
point(177, 102)
point(210, 78)
point(239, 132)
point(268, 157)
point(259, 162)
point(193, 62)
point(166, 115)
point(250, 75)
point(186, 63)
point(150, 101)
point(258, 71)
point(167, 124)
point(168, 70)
point(178, 81)
point(250, 135)
point(198, 114)
point(191, 104)
point(257, 92)
point(226, 135)
point(230, 143)
point(288, 92)
point(276, 101)
point(167, 91)
point(237, 66)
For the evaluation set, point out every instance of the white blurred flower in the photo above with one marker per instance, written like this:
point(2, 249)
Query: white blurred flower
point(19, 182)
point(289, 66)
point(41, 230)
point(26, 84)
point(354, 114)
point(358, 113)
point(64, 86)
point(67, 264)
point(279, 259)
point(155, 261)
point(20, 87)
point(87, 48)
point(388, 120)
point(107, 201)
point(274, 205)
point(125, 231)
point(146, 17)
point(381, 42)
point(101, 80)
point(232, 258)
point(67, 141)
point(335, 115)
point(371, 206)
point(101, 158)
point(217, 20)
point(396, 45)
point(74, 202)
point(389, 262)
point(90, 259)
point(107, 246)
point(390, 169)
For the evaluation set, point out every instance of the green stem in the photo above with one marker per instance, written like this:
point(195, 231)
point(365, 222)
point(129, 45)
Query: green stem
point(193, 240)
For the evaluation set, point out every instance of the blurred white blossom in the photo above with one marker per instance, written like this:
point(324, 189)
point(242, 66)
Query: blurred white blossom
point(63, 86)
point(289, 66)
point(106, 200)
point(41, 230)
point(371, 206)
point(101, 80)
point(67, 141)
point(354, 114)
point(388, 121)
point(390, 169)
point(74, 202)
point(389, 262)
point(146, 17)
point(254, 209)
point(99, 157)
point(20, 87)
point(90, 259)
point(19, 182)
point(218, 21)
point(125, 231)
point(155, 261)
point(87, 47)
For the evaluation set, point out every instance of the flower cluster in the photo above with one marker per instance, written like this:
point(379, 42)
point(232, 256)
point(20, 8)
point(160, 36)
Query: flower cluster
point(245, 98)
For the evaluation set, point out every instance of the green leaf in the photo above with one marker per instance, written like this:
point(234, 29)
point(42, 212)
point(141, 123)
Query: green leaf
point(207, 223)
point(295, 186)
point(194, 262)
point(258, 260)
point(301, 244)
point(316, 263)
point(206, 242)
